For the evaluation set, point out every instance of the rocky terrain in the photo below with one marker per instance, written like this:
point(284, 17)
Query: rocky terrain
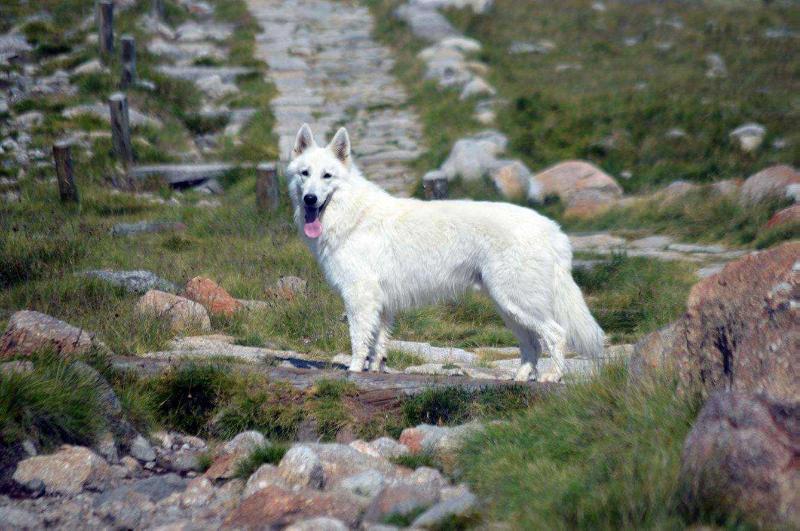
point(173, 359)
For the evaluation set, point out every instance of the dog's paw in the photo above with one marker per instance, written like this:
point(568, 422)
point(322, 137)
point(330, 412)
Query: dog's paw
point(357, 365)
point(525, 373)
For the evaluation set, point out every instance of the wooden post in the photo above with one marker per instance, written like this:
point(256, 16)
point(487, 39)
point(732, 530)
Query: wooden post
point(62, 157)
point(157, 9)
point(267, 186)
point(435, 185)
point(105, 27)
point(128, 61)
point(120, 127)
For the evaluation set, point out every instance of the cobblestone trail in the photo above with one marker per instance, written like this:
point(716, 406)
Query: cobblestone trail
point(330, 72)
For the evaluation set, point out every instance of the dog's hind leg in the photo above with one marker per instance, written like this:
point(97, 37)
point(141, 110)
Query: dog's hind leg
point(378, 358)
point(363, 315)
point(530, 348)
point(555, 341)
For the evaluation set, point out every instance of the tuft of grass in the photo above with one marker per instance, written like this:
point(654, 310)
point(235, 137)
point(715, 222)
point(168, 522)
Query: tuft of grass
point(268, 454)
point(601, 454)
point(457, 405)
point(415, 461)
point(186, 396)
point(52, 404)
point(400, 519)
point(398, 359)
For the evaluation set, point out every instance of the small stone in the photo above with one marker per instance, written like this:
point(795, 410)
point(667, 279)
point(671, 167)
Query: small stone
point(214, 87)
point(288, 288)
point(213, 297)
point(182, 313)
point(89, 67)
point(302, 467)
point(459, 506)
point(477, 87)
point(388, 448)
point(321, 523)
point(266, 475)
point(198, 492)
point(750, 136)
point(400, 498)
point(147, 227)
point(138, 281)
point(366, 484)
point(716, 66)
point(141, 449)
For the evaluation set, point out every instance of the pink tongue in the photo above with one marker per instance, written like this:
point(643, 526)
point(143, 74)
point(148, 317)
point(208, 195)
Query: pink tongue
point(313, 229)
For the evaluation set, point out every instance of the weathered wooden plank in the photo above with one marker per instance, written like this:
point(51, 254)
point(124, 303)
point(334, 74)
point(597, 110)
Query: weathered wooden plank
point(267, 187)
point(62, 157)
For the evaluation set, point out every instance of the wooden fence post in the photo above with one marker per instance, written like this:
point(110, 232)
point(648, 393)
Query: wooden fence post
point(128, 61)
point(120, 127)
point(435, 185)
point(157, 9)
point(105, 27)
point(267, 186)
point(62, 157)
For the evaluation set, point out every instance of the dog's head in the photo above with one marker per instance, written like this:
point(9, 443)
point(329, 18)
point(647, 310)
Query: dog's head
point(316, 173)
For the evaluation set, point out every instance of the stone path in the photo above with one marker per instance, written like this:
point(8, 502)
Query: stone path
point(330, 72)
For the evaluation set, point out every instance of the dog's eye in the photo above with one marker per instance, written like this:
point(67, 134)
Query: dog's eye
point(326, 175)
point(304, 173)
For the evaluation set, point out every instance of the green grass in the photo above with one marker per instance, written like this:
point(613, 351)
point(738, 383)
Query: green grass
point(600, 455)
point(53, 404)
point(269, 454)
point(603, 113)
point(631, 296)
point(457, 405)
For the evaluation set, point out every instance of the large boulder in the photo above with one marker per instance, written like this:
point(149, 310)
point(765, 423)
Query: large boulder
point(68, 471)
point(768, 183)
point(30, 331)
point(785, 217)
point(584, 188)
point(212, 296)
point(740, 459)
point(183, 314)
point(741, 330)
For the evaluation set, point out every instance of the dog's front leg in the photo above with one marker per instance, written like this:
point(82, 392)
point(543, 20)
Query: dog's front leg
point(363, 315)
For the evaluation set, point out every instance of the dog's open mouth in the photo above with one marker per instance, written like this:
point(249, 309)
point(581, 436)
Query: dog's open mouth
point(313, 225)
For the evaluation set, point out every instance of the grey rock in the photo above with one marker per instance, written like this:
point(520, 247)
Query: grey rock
point(266, 476)
point(366, 484)
point(13, 518)
point(388, 448)
point(425, 23)
point(154, 489)
point(142, 450)
point(716, 66)
point(321, 523)
point(462, 505)
point(301, 466)
point(146, 227)
point(245, 442)
point(750, 136)
point(138, 281)
point(475, 156)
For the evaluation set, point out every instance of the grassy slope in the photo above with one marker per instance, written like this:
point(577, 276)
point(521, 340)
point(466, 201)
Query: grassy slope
point(601, 455)
point(552, 116)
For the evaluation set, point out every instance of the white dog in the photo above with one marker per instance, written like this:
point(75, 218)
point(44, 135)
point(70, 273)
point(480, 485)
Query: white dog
point(383, 254)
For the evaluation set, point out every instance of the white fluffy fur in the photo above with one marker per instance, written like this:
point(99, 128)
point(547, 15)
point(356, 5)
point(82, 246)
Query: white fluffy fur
point(383, 254)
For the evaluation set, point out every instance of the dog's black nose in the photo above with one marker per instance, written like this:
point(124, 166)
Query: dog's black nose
point(310, 199)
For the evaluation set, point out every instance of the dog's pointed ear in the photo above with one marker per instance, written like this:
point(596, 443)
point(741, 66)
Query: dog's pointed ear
point(304, 140)
point(340, 146)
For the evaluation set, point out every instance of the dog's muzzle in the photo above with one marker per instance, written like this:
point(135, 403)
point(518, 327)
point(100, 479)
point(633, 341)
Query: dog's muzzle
point(313, 225)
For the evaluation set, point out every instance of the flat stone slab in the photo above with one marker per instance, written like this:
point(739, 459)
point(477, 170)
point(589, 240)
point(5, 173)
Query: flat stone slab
point(146, 227)
point(183, 174)
point(433, 354)
point(138, 281)
point(227, 74)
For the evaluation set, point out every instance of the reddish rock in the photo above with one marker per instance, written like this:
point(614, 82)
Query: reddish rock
point(741, 330)
point(30, 331)
point(401, 498)
point(741, 460)
point(578, 184)
point(787, 216)
point(769, 182)
point(182, 313)
point(68, 471)
point(214, 298)
point(412, 438)
point(511, 178)
point(274, 506)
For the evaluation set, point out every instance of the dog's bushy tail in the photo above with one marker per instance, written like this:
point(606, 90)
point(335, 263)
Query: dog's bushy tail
point(584, 335)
